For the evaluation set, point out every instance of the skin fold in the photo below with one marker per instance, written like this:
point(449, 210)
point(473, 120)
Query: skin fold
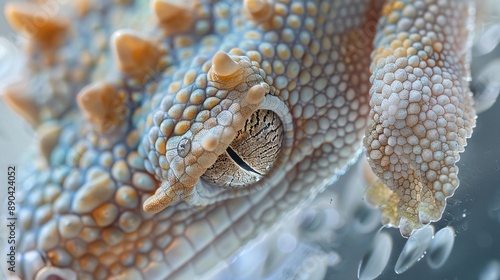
point(145, 110)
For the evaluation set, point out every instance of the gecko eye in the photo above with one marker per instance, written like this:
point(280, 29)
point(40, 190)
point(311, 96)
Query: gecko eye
point(252, 153)
point(184, 147)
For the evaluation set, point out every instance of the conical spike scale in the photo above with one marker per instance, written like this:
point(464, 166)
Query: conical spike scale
point(82, 7)
point(259, 10)
point(27, 19)
point(100, 102)
point(134, 56)
point(174, 16)
point(256, 93)
point(223, 65)
point(225, 70)
point(15, 97)
point(48, 135)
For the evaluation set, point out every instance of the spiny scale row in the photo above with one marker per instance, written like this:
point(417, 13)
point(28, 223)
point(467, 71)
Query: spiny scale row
point(98, 101)
point(174, 16)
point(135, 56)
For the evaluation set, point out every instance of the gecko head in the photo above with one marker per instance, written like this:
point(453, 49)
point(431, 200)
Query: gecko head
point(221, 124)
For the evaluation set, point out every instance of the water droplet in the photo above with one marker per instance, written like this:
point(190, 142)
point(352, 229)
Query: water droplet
point(489, 40)
point(491, 271)
point(441, 247)
point(414, 248)
point(366, 219)
point(332, 219)
point(312, 220)
point(287, 242)
point(485, 86)
point(376, 258)
point(333, 258)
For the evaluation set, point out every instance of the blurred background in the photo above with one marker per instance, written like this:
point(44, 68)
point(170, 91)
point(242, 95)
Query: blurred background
point(15, 135)
point(473, 212)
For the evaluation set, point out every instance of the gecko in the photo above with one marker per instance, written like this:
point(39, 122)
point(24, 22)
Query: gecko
point(172, 133)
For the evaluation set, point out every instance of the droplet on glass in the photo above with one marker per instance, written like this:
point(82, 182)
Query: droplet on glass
point(332, 220)
point(491, 271)
point(333, 258)
point(376, 258)
point(311, 220)
point(488, 41)
point(287, 242)
point(485, 86)
point(414, 248)
point(440, 248)
point(366, 219)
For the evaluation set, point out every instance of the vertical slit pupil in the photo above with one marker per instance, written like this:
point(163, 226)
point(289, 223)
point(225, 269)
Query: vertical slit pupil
point(234, 156)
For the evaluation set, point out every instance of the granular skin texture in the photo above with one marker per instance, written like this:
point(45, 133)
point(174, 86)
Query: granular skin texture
point(172, 133)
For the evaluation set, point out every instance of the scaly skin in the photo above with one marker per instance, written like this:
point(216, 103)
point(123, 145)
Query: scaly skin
point(128, 130)
point(422, 109)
